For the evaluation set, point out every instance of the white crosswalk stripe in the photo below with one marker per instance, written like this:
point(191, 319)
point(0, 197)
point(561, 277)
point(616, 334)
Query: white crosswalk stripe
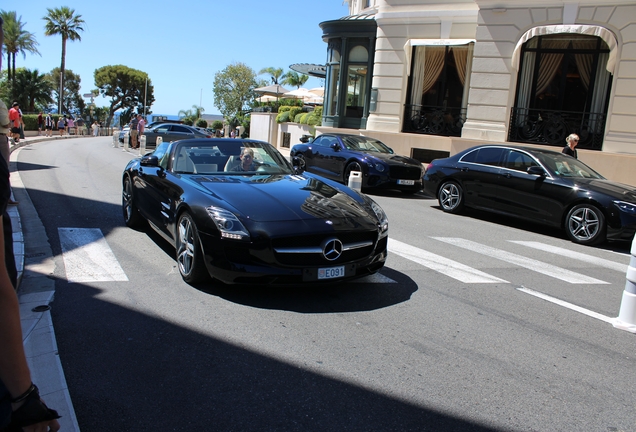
point(529, 263)
point(574, 255)
point(440, 264)
point(88, 257)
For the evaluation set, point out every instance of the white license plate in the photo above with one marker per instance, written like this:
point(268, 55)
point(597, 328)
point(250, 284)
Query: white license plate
point(331, 272)
point(406, 182)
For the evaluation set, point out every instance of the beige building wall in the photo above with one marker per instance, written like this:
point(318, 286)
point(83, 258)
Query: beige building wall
point(497, 26)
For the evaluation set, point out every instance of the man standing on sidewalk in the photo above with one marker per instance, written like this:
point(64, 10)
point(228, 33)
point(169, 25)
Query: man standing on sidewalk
point(133, 131)
point(141, 126)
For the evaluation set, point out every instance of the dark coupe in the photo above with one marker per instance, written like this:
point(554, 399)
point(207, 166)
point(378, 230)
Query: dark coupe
point(266, 225)
point(537, 185)
point(335, 156)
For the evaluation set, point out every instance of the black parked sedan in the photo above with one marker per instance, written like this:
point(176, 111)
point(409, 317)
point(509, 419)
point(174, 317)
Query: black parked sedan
point(335, 156)
point(538, 185)
point(252, 220)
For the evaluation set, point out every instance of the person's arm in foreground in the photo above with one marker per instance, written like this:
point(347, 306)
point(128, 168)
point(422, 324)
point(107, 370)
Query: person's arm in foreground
point(14, 370)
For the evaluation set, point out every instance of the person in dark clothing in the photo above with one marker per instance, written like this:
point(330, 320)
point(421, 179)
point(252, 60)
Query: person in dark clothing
point(570, 149)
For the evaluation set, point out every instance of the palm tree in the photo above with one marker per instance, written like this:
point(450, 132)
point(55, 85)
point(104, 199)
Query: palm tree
point(275, 73)
point(64, 22)
point(193, 114)
point(16, 40)
point(294, 79)
point(31, 89)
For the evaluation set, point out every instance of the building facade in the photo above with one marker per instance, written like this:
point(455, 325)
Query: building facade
point(432, 78)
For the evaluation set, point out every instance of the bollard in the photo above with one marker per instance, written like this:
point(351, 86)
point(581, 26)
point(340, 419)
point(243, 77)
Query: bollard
point(142, 144)
point(627, 316)
point(116, 139)
point(125, 145)
point(355, 180)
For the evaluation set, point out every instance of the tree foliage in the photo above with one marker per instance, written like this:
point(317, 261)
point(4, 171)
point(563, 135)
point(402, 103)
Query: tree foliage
point(191, 116)
point(64, 22)
point(274, 73)
point(31, 90)
point(16, 40)
point(292, 78)
point(73, 101)
point(233, 90)
point(126, 88)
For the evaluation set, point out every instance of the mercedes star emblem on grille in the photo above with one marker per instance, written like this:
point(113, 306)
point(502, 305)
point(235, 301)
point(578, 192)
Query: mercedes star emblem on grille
point(332, 249)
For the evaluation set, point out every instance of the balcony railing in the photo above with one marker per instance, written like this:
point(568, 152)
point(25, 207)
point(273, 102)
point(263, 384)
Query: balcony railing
point(434, 120)
point(550, 127)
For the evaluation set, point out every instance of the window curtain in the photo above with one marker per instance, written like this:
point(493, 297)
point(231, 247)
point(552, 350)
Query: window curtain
point(550, 63)
point(433, 66)
point(463, 61)
point(418, 76)
point(525, 86)
point(601, 85)
point(584, 61)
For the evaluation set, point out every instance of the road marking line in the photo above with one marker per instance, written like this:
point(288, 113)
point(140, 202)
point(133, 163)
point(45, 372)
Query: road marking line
point(529, 263)
point(446, 266)
point(574, 255)
point(567, 305)
point(87, 256)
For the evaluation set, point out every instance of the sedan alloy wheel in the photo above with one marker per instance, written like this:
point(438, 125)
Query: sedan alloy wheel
point(586, 224)
point(132, 218)
point(451, 197)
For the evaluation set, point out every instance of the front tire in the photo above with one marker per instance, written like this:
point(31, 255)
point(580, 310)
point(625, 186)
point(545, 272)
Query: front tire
point(451, 197)
point(132, 217)
point(189, 252)
point(585, 224)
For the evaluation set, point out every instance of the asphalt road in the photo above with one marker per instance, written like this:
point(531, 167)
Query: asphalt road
point(424, 348)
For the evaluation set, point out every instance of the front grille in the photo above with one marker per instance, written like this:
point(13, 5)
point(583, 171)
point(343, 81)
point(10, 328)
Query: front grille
point(315, 242)
point(405, 172)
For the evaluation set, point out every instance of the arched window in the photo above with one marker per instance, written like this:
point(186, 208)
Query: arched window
point(563, 87)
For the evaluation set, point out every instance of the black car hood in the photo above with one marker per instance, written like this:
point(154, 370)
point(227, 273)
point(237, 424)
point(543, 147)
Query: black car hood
point(618, 190)
point(283, 197)
point(393, 158)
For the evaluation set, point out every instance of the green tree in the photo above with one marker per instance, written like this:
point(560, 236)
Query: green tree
point(274, 73)
point(64, 22)
point(31, 90)
point(73, 102)
point(16, 40)
point(191, 116)
point(126, 88)
point(233, 91)
point(292, 78)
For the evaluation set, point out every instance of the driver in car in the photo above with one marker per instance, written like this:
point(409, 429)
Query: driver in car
point(247, 161)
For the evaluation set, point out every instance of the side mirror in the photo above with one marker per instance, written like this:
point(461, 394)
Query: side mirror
point(149, 161)
point(536, 170)
point(335, 146)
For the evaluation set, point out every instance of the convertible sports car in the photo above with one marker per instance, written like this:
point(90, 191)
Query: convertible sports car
point(262, 225)
point(537, 185)
point(335, 156)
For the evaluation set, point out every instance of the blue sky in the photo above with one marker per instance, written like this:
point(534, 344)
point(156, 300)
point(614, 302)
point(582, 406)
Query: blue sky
point(182, 45)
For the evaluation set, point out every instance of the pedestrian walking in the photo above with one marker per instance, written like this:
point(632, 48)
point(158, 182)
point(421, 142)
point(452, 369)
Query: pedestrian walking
point(79, 124)
point(71, 125)
point(48, 125)
point(14, 117)
point(134, 122)
point(95, 128)
point(60, 126)
point(141, 126)
point(570, 149)
point(40, 123)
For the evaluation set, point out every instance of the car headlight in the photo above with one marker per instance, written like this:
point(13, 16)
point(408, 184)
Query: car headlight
point(380, 167)
point(228, 224)
point(383, 220)
point(626, 207)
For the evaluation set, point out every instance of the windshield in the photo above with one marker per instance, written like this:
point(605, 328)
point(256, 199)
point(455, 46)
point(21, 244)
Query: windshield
point(229, 157)
point(366, 144)
point(567, 166)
